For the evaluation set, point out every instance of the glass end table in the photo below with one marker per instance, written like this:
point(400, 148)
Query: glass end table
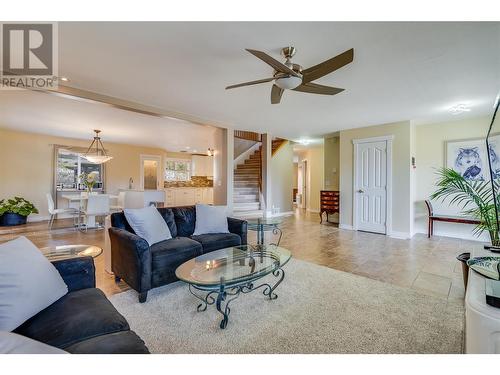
point(261, 225)
point(70, 251)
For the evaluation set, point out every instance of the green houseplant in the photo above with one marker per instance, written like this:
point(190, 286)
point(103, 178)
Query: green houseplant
point(15, 211)
point(475, 198)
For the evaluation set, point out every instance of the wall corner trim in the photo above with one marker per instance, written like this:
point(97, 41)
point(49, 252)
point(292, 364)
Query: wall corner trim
point(345, 226)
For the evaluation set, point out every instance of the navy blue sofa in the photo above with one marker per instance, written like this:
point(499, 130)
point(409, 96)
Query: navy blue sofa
point(83, 321)
point(144, 267)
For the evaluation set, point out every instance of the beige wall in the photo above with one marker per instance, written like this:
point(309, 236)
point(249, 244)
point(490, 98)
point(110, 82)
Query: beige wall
point(27, 165)
point(282, 175)
point(332, 163)
point(315, 175)
point(430, 142)
point(401, 184)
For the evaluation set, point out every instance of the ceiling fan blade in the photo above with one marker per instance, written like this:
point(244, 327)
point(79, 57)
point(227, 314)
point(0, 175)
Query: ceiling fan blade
point(276, 94)
point(280, 67)
point(328, 66)
point(250, 83)
point(314, 88)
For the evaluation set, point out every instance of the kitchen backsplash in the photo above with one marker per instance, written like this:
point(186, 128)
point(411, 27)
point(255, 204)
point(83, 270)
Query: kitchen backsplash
point(196, 181)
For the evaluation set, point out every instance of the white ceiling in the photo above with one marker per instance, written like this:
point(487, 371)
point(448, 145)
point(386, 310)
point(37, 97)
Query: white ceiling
point(401, 71)
point(49, 114)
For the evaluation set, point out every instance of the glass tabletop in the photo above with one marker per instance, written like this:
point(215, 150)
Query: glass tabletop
point(264, 221)
point(232, 265)
point(71, 251)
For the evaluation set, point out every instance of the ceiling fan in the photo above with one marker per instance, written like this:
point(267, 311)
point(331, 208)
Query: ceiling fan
point(290, 76)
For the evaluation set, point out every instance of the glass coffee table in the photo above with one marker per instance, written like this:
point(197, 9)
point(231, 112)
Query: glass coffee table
point(261, 225)
point(220, 276)
point(70, 251)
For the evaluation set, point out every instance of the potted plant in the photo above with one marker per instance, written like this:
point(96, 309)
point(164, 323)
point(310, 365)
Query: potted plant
point(89, 180)
point(15, 211)
point(475, 198)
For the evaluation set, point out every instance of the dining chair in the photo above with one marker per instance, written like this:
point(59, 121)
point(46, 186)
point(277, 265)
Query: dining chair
point(57, 211)
point(120, 202)
point(97, 206)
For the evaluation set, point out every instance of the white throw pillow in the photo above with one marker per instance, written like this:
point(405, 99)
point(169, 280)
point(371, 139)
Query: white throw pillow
point(148, 223)
point(28, 283)
point(12, 343)
point(210, 219)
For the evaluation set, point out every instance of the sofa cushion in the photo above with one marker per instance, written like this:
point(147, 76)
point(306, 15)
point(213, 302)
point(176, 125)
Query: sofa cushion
point(12, 343)
point(28, 283)
point(77, 316)
point(216, 241)
point(125, 342)
point(210, 219)
point(185, 219)
point(148, 224)
point(118, 220)
point(170, 254)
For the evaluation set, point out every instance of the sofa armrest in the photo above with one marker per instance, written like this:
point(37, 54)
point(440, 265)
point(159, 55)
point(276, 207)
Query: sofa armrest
point(77, 273)
point(131, 258)
point(238, 227)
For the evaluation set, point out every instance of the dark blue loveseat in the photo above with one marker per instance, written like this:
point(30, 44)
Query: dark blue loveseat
point(144, 267)
point(83, 321)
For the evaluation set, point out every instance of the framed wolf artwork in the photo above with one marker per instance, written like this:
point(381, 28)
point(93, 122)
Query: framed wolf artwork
point(469, 158)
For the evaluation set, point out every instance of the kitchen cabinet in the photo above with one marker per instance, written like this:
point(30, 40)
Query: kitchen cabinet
point(202, 165)
point(188, 196)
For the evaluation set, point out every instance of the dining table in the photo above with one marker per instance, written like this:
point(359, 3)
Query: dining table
point(80, 199)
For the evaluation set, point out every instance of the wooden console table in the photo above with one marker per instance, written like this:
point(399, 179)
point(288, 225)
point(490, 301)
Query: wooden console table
point(329, 203)
point(450, 219)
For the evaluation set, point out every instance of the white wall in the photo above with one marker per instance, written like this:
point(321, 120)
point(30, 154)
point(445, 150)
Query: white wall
point(282, 178)
point(430, 143)
point(401, 182)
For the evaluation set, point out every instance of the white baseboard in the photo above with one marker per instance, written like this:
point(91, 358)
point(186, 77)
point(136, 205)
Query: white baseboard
point(345, 226)
point(401, 235)
point(37, 218)
point(286, 213)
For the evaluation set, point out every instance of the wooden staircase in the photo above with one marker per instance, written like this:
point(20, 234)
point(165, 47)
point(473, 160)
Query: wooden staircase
point(248, 180)
point(247, 187)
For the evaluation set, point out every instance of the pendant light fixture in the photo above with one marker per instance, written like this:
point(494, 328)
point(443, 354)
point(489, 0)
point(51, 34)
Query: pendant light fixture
point(96, 153)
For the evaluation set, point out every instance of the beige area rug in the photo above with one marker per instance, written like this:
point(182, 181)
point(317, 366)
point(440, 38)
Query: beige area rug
point(318, 310)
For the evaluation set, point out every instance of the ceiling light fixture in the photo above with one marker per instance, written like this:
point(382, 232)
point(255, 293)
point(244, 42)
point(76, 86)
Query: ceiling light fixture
point(459, 109)
point(304, 142)
point(288, 83)
point(64, 79)
point(98, 154)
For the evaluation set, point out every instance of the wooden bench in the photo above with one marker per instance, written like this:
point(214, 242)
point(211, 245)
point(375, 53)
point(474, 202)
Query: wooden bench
point(450, 219)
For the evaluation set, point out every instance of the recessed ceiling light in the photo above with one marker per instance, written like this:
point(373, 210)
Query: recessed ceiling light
point(459, 109)
point(64, 79)
point(304, 142)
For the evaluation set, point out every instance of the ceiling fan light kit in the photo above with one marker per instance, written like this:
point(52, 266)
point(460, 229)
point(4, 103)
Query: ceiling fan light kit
point(290, 76)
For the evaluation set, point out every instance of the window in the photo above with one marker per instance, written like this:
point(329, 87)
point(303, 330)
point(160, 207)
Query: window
point(70, 165)
point(177, 170)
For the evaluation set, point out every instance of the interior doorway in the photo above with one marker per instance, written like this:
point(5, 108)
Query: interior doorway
point(150, 172)
point(372, 184)
point(302, 184)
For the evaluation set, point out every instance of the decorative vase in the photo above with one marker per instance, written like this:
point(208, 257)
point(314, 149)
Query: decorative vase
point(10, 219)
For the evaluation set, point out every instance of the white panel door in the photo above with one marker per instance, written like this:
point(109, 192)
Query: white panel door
point(371, 186)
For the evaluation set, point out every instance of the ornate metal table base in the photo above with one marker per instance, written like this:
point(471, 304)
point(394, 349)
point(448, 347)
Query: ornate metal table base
point(225, 294)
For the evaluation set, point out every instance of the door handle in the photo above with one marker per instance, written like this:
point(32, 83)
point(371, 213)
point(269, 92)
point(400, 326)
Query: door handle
point(360, 191)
